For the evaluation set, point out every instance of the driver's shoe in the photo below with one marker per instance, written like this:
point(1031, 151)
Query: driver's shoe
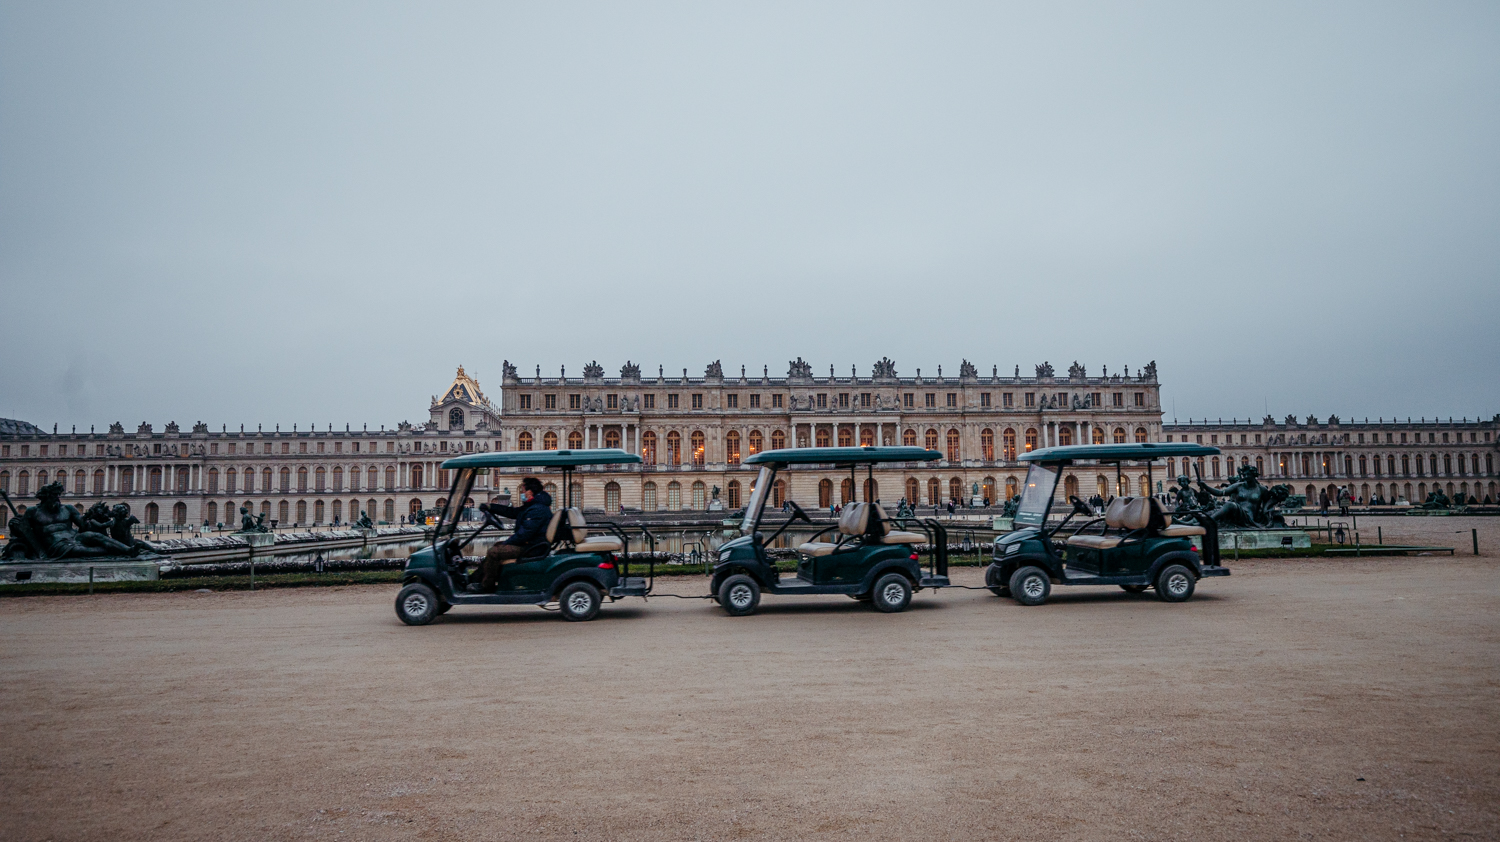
point(479, 588)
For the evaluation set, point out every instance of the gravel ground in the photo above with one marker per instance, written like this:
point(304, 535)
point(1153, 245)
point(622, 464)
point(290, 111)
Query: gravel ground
point(1350, 699)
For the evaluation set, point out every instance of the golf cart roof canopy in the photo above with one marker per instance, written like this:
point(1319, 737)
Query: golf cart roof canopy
point(544, 459)
point(1140, 452)
point(841, 455)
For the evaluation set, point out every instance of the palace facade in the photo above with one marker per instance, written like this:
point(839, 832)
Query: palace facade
point(693, 433)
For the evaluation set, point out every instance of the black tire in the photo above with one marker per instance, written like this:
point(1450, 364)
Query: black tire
point(1175, 583)
point(579, 602)
point(417, 604)
point(995, 581)
point(891, 594)
point(1134, 588)
point(1030, 586)
point(739, 595)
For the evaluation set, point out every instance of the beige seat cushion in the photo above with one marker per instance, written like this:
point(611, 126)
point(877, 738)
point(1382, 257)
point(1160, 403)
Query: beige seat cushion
point(855, 519)
point(1094, 542)
point(899, 537)
point(554, 526)
point(600, 544)
point(816, 548)
point(1182, 530)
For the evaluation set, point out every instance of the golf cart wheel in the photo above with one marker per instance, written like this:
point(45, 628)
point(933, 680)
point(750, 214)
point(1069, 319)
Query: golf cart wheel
point(579, 601)
point(1030, 586)
point(1133, 588)
point(739, 595)
point(417, 604)
point(892, 593)
point(996, 582)
point(1175, 584)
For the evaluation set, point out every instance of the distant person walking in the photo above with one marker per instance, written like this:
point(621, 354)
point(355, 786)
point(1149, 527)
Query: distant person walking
point(1344, 501)
point(1323, 501)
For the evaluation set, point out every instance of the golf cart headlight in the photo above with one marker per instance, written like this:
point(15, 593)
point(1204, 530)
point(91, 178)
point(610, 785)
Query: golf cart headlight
point(1013, 548)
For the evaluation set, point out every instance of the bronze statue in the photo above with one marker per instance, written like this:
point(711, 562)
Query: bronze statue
point(1248, 504)
point(252, 524)
point(119, 527)
point(1436, 499)
point(97, 519)
point(1187, 499)
point(364, 521)
point(1011, 507)
point(51, 531)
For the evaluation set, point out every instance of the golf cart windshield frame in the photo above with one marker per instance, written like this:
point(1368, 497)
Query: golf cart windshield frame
point(1047, 464)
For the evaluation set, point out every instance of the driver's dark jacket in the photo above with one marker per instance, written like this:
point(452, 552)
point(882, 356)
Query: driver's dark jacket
point(531, 519)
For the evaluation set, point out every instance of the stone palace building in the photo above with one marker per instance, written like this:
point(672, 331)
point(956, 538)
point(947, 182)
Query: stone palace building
point(693, 433)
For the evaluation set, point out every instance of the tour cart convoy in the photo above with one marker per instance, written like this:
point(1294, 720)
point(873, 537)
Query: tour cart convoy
point(868, 555)
point(1135, 545)
point(568, 566)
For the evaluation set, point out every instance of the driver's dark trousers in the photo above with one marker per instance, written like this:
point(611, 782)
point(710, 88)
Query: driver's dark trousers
point(489, 569)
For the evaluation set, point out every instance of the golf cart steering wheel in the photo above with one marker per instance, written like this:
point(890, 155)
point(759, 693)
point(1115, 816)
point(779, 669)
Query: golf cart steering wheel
point(797, 512)
point(1080, 507)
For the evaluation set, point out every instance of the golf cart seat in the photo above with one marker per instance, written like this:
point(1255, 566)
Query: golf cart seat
point(586, 543)
point(1179, 530)
point(852, 523)
point(1127, 514)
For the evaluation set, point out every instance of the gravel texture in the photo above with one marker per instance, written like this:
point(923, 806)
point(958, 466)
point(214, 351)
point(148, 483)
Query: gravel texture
point(1349, 699)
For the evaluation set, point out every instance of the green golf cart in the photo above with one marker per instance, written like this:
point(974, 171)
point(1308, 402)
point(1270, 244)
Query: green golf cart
point(1134, 546)
point(868, 555)
point(570, 567)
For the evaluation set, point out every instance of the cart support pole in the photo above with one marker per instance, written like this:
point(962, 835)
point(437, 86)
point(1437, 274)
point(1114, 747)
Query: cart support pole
point(1475, 533)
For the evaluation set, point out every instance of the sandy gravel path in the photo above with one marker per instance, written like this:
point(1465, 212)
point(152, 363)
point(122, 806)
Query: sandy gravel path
point(1251, 712)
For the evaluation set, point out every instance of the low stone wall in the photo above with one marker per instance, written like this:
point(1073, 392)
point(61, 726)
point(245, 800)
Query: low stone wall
point(79, 572)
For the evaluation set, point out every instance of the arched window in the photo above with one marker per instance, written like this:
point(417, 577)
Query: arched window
point(732, 491)
point(416, 477)
point(908, 438)
point(871, 489)
point(913, 490)
point(955, 489)
point(732, 448)
point(1260, 465)
point(825, 493)
point(5, 481)
point(934, 491)
point(301, 512)
point(988, 490)
point(153, 514)
point(390, 479)
point(612, 497)
point(1140, 435)
point(700, 496)
point(317, 511)
point(455, 419)
point(930, 440)
point(778, 493)
point(575, 441)
point(523, 441)
point(265, 479)
point(822, 438)
point(338, 478)
point(155, 479)
point(867, 437)
point(1030, 439)
point(99, 481)
point(79, 478)
point(1008, 441)
point(211, 513)
point(648, 451)
point(231, 480)
point(846, 491)
point(370, 483)
point(320, 480)
point(1070, 486)
point(551, 489)
point(953, 454)
point(987, 445)
point(757, 442)
point(286, 480)
point(390, 510)
point(846, 436)
point(612, 438)
point(549, 440)
point(648, 497)
point(1171, 467)
point(778, 439)
point(1103, 483)
point(213, 481)
point(1064, 435)
point(179, 514)
point(1097, 435)
point(1011, 487)
point(1215, 463)
point(575, 496)
point(700, 455)
point(1119, 435)
point(284, 513)
point(127, 480)
point(338, 511)
point(674, 449)
point(674, 496)
point(1145, 486)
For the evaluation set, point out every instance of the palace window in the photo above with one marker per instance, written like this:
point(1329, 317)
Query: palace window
point(549, 440)
point(575, 401)
point(1118, 398)
point(930, 440)
point(756, 442)
point(984, 398)
point(952, 399)
point(822, 401)
point(523, 441)
point(823, 438)
point(700, 452)
point(987, 444)
point(825, 493)
point(867, 437)
point(732, 492)
point(648, 453)
point(674, 496)
point(648, 497)
point(286, 447)
point(930, 400)
point(1119, 435)
point(674, 448)
point(1064, 435)
point(319, 479)
point(697, 400)
point(864, 400)
point(611, 401)
point(755, 401)
point(778, 439)
point(1140, 435)
point(843, 400)
point(1009, 442)
point(549, 401)
point(732, 401)
point(338, 478)
point(700, 496)
point(1007, 400)
point(908, 438)
point(612, 497)
point(390, 478)
point(650, 403)
point(612, 438)
point(777, 402)
point(575, 441)
point(672, 401)
point(1031, 398)
point(1140, 398)
point(1031, 439)
point(909, 400)
point(846, 437)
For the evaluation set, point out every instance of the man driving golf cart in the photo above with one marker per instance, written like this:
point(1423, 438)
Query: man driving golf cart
point(531, 519)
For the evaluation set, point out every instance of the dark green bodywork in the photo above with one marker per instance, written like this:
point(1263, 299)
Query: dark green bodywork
point(530, 581)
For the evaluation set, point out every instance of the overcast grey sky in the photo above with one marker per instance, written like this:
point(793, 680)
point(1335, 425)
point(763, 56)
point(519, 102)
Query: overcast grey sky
point(312, 212)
